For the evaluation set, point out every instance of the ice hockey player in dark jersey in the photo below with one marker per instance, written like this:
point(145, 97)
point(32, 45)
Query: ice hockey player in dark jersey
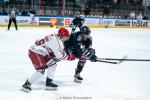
point(80, 44)
point(77, 22)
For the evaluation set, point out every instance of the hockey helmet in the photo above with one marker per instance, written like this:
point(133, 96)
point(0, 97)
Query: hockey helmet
point(85, 30)
point(78, 14)
point(63, 32)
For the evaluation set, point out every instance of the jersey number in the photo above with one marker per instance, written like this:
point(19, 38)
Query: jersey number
point(42, 41)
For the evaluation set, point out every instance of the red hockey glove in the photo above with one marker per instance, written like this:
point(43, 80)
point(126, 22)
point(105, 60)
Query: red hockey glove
point(71, 57)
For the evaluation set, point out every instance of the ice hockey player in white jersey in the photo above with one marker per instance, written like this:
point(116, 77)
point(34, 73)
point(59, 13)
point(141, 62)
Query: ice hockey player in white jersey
point(44, 55)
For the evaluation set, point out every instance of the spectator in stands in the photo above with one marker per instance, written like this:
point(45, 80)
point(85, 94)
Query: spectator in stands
point(132, 2)
point(24, 12)
point(132, 15)
point(107, 11)
point(140, 16)
point(87, 11)
point(4, 12)
point(31, 11)
point(145, 17)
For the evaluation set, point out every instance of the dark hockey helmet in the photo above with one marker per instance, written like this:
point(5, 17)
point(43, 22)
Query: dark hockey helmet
point(77, 14)
point(85, 30)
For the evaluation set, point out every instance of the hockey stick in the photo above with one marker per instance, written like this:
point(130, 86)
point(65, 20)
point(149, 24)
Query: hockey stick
point(119, 61)
point(126, 59)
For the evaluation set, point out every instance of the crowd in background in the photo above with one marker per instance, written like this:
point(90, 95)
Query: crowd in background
point(90, 8)
point(24, 12)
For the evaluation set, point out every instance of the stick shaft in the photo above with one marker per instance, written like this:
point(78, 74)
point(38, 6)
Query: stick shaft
point(127, 59)
point(107, 62)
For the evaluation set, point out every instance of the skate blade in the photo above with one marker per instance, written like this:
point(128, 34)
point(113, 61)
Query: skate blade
point(77, 81)
point(25, 90)
point(50, 88)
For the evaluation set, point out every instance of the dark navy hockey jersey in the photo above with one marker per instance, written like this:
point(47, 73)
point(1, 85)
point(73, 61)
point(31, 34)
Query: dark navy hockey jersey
point(78, 21)
point(76, 44)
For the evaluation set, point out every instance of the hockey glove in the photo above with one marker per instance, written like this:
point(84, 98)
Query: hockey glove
point(93, 58)
point(71, 57)
point(90, 54)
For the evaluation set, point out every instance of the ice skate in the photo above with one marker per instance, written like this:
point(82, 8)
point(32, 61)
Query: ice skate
point(78, 78)
point(26, 87)
point(50, 85)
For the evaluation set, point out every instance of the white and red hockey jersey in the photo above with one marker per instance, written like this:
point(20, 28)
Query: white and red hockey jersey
point(50, 44)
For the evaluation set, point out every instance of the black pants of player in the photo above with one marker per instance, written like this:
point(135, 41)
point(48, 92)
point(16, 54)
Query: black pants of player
point(14, 21)
point(74, 28)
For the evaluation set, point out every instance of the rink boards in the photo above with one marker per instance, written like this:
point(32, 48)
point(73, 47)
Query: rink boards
point(44, 21)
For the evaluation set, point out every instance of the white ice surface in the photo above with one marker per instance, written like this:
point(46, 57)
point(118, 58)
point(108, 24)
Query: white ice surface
point(102, 81)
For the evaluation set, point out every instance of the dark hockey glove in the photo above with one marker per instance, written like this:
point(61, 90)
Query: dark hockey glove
point(90, 54)
point(93, 58)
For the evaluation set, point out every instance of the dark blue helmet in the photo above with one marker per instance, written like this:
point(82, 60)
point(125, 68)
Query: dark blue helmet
point(85, 30)
point(77, 14)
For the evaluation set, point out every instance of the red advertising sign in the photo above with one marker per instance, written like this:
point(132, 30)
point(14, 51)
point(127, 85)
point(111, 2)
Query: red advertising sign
point(67, 22)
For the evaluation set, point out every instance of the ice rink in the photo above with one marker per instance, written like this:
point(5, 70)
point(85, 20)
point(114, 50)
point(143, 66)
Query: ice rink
point(102, 81)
